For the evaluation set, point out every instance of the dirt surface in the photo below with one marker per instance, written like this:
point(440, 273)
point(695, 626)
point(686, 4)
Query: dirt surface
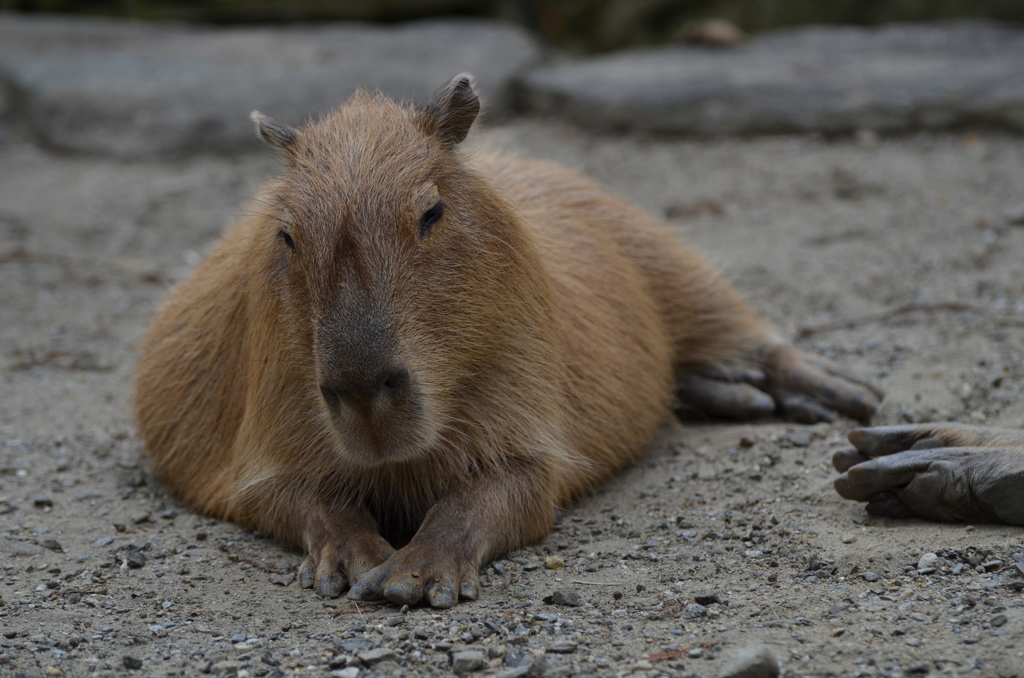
point(724, 535)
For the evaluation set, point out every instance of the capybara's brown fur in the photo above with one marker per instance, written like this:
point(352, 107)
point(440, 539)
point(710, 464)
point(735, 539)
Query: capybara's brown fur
point(406, 339)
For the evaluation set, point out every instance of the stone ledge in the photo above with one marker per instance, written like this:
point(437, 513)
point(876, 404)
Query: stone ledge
point(135, 89)
point(816, 79)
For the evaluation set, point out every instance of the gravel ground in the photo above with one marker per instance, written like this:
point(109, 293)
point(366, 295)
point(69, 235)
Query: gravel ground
point(893, 256)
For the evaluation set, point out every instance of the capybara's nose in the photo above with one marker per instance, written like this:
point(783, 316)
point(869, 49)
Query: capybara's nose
point(365, 391)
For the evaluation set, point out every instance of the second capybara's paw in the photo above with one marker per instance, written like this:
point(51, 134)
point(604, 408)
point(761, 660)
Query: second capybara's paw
point(418, 574)
point(338, 558)
point(809, 389)
point(946, 472)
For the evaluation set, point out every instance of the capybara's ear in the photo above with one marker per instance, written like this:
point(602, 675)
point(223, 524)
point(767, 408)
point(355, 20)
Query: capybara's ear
point(452, 109)
point(272, 132)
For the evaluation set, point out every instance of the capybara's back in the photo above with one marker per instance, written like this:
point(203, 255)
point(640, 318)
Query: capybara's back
point(404, 340)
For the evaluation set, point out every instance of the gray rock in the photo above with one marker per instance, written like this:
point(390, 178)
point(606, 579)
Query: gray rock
point(801, 437)
point(563, 646)
point(468, 662)
point(226, 668)
point(564, 597)
point(377, 655)
point(135, 559)
point(353, 645)
point(1015, 215)
point(751, 661)
point(812, 79)
point(20, 548)
point(131, 662)
point(134, 89)
point(928, 561)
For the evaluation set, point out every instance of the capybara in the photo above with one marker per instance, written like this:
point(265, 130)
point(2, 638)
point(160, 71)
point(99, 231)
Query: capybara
point(407, 343)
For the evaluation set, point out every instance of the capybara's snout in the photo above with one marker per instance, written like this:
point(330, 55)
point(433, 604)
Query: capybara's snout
point(366, 390)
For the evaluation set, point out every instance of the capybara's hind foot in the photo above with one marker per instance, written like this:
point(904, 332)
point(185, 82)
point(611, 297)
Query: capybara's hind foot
point(342, 548)
point(809, 389)
point(800, 387)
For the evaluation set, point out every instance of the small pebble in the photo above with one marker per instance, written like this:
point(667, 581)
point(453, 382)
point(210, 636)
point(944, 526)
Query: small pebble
point(347, 672)
point(800, 438)
point(553, 562)
point(1015, 215)
point(563, 646)
point(468, 662)
point(866, 139)
point(707, 598)
point(928, 561)
point(135, 559)
point(913, 641)
point(998, 620)
point(751, 661)
point(131, 662)
point(225, 669)
point(695, 653)
point(564, 597)
point(849, 538)
point(870, 576)
point(696, 610)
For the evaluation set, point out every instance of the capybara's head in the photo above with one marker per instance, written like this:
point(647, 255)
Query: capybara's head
point(392, 256)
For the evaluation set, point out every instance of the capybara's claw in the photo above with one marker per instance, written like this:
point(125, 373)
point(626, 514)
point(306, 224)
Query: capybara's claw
point(366, 589)
point(307, 572)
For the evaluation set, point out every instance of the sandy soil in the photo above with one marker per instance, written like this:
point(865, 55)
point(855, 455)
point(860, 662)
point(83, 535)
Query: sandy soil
point(105, 573)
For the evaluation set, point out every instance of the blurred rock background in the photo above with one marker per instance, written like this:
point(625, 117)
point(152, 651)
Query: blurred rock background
point(578, 25)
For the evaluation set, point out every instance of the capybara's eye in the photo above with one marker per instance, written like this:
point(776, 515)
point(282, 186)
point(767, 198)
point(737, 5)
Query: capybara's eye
point(430, 218)
point(287, 240)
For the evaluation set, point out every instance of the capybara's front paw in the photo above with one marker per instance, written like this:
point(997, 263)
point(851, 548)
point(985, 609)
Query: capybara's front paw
point(338, 558)
point(419, 573)
point(809, 389)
